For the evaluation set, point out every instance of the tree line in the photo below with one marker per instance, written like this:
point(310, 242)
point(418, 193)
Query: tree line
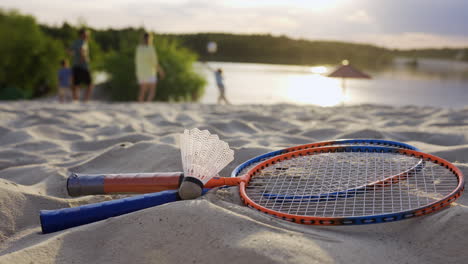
point(284, 50)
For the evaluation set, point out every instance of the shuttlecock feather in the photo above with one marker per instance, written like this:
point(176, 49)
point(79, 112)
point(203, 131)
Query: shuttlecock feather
point(203, 156)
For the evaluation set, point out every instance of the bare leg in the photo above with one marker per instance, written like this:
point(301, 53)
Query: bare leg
point(222, 96)
point(221, 92)
point(152, 92)
point(226, 100)
point(75, 89)
point(89, 91)
point(142, 93)
point(61, 95)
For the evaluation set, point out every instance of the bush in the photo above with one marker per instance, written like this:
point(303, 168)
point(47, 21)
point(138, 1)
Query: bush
point(181, 82)
point(122, 84)
point(29, 59)
point(67, 34)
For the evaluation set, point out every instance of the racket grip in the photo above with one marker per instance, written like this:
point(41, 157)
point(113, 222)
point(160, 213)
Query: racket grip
point(81, 184)
point(56, 220)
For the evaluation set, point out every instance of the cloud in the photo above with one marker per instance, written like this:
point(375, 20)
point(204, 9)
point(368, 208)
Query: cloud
point(387, 23)
point(446, 17)
point(360, 16)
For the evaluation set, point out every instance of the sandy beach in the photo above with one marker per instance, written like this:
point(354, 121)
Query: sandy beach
point(42, 141)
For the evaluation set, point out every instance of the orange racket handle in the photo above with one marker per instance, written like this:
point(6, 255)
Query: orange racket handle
point(80, 184)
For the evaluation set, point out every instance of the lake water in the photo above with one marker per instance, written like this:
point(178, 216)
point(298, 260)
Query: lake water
point(430, 83)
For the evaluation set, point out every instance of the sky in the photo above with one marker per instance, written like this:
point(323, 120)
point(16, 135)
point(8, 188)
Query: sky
point(389, 23)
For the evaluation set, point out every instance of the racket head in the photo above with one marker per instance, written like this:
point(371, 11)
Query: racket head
point(427, 188)
point(242, 168)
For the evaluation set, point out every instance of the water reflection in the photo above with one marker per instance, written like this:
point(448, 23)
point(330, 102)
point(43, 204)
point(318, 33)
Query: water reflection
point(319, 69)
point(424, 69)
point(248, 83)
point(314, 89)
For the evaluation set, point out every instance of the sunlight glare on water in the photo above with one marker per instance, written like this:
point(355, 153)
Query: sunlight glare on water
point(318, 69)
point(313, 89)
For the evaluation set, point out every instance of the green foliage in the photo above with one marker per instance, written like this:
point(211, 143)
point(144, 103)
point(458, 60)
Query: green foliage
point(96, 55)
point(122, 84)
point(29, 59)
point(12, 93)
point(66, 34)
point(181, 83)
point(121, 39)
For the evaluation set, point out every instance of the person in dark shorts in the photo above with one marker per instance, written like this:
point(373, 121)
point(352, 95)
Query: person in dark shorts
point(80, 69)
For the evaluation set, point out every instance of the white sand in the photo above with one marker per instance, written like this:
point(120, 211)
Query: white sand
point(41, 141)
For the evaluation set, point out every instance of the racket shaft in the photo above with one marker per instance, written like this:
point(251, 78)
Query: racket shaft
point(81, 184)
point(221, 181)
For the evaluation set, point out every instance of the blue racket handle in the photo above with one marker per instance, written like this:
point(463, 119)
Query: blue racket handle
point(56, 220)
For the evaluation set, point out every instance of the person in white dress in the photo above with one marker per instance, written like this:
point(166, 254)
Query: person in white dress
point(147, 69)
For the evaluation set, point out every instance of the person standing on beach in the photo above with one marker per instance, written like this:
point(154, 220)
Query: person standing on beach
point(64, 78)
point(80, 69)
point(147, 68)
point(220, 83)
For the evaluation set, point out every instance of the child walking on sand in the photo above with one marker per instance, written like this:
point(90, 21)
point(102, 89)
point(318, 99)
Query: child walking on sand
point(218, 74)
point(64, 78)
point(220, 83)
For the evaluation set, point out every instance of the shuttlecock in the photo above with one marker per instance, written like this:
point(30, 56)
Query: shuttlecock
point(203, 156)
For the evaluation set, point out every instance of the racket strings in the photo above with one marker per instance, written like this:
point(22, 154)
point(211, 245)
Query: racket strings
point(340, 184)
point(246, 168)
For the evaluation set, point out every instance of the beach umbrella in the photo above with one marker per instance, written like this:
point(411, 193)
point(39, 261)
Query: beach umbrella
point(347, 71)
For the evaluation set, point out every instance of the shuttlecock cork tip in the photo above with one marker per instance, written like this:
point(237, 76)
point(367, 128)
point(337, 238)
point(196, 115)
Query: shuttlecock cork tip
point(191, 188)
